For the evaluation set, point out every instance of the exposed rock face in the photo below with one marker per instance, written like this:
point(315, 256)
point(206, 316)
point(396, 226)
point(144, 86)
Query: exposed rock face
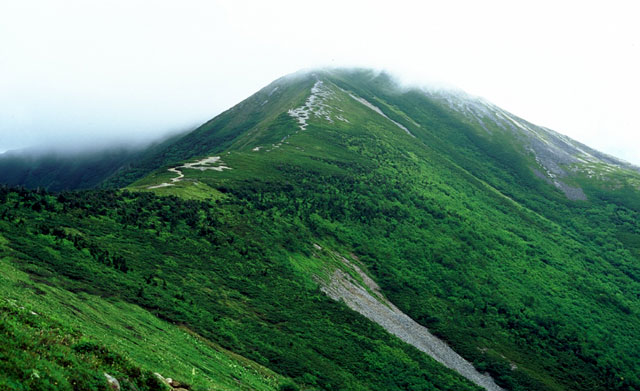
point(369, 301)
point(114, 384)
point(172, 384)
point(164, 380)
point(555, 153)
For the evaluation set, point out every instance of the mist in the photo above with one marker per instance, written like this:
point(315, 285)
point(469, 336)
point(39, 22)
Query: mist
point(76, 75)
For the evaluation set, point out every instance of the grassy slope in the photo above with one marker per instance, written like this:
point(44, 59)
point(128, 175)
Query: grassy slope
point(152, 344)
point(586, 278)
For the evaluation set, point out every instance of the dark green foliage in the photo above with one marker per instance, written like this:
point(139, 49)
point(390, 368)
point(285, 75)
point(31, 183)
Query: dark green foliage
point(289, 387)
point(62, 171)
point(224, 273)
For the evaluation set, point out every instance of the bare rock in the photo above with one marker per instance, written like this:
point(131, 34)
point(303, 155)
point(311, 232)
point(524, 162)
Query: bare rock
point(114, 384)
point(162, 378)
point(369, 301)
point(174, 385)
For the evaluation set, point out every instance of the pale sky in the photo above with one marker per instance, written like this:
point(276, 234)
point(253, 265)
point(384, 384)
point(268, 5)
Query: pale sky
point(94, 72)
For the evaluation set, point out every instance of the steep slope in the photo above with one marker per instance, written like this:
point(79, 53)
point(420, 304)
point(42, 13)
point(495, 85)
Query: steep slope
point(367, 300)
point(87, 325)
point(464, 223)
point(256, 113)
point(557, 156)
point(453, 122)
point(463, 220)
point(114, 168)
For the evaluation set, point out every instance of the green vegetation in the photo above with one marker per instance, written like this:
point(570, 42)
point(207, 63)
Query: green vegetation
point(58, 171)
point(117, 326)
point(218, 267)
point(38, 354)
point(537, 290)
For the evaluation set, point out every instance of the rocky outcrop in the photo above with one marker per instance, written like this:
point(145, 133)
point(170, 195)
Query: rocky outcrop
point(114, 384)
point(369, 301)
point(172, 384)
point(557, 156)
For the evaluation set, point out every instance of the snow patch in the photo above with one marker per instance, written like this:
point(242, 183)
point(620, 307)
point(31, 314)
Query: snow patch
point(165, 184)
point(202, 165)
point(315, 104)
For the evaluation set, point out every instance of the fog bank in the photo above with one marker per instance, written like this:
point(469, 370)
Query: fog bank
point(80, 73)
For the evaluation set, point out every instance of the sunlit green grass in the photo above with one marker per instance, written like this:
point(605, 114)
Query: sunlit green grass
point(133, 332)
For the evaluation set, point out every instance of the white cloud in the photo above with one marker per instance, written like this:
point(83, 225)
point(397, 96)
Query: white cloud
point(134, 69)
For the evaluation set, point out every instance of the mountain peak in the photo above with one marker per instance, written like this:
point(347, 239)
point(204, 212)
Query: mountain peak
point(325, 108)
point(488, 243)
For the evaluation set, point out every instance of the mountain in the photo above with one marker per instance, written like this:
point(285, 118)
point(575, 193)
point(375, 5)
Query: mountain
point(57, 171)
point(334, 231)
point(75, 169)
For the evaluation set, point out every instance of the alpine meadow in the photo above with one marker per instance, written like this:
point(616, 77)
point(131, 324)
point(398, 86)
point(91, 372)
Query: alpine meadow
point(333, 231)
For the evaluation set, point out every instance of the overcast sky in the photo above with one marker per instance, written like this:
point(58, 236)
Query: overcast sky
point(93, 72)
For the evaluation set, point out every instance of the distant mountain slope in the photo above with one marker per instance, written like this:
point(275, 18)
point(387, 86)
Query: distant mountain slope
point(556, 155)
point(76, 168)
point(58, 171)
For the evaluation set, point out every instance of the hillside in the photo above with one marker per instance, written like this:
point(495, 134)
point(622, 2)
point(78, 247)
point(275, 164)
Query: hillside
point(77, 168)
point(286, 229)
point(57, 171)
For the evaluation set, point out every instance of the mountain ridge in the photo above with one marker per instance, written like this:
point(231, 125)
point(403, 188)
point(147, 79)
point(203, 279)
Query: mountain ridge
point(558, 158)
point(238, 229)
